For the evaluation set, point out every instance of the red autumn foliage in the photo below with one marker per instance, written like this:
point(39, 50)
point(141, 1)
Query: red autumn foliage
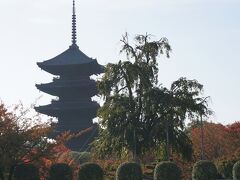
point(219, 140)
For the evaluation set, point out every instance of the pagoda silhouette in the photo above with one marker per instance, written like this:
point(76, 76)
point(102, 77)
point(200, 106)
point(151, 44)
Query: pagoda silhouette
point(73, 87)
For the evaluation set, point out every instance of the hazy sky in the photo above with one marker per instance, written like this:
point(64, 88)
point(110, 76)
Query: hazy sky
point(204, 34)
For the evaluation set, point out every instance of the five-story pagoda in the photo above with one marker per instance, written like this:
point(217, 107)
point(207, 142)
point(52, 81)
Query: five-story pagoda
point(74, 108)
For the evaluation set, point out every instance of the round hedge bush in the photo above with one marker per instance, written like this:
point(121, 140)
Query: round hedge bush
point(167, 170)
point(204, 170)
point(90, 171)
point(60, 171)
point(129, 171)
point(224, 167)
point(26, 172)
point(236, 171)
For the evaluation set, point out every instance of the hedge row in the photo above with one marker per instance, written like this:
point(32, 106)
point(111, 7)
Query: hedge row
point(59, 171)
point(202, 170)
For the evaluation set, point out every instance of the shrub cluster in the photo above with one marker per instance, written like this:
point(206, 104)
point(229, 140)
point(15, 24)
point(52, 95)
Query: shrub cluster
point(236, 171)
point(60, 171)
point(167, 170)
point(129, 171)
point(90, 171)
point(204, 170)
point(225, 167)
point(26, 172)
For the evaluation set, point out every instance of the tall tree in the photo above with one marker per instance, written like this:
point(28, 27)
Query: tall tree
point(138, 114)
point(123, 87)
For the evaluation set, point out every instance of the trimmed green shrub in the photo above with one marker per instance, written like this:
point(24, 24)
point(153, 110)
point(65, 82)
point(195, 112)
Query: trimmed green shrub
point(236, 171)
point(26, 172)
point(224, 167)
point(167, 170)
point(90, 171)
point(60, 171)
point(204, 170)
point(129, 171)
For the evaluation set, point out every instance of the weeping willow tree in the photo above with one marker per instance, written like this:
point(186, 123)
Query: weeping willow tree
point(137, 110)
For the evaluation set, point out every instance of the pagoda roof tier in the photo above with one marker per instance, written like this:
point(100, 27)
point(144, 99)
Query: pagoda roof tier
point(72, 61)
point(81, 87)
point(58, 107)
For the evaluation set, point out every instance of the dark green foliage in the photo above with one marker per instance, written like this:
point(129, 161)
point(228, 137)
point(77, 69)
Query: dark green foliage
point(60, 171)
point(138, 113)
point(129, 171)
point(26, 172)
point(225, 166)
point(204, 170)
point(167, 170)
point(90, 171)
point(236, 171)
point(125, 117)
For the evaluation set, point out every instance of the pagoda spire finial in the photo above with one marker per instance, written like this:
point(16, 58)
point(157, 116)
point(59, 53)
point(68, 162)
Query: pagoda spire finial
point(74, 32)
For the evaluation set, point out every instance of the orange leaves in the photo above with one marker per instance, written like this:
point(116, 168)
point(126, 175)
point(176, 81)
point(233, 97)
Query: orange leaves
point(21, 140)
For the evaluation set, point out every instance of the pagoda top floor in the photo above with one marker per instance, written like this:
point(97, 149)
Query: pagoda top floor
point(72, 61)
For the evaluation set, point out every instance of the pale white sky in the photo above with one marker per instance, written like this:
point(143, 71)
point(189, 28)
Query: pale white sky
point(204, 35)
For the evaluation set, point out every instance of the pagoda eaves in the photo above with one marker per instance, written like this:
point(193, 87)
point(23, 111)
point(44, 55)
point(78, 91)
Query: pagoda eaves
point(81, 88)
point(73, 60)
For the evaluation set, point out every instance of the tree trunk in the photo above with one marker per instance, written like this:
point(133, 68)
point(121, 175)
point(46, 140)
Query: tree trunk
point(135, 155)
point(167, 145)
point(10, 176)
point(135, 145)
point(202, 143)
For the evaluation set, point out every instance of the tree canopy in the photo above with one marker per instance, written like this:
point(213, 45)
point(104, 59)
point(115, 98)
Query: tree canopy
point(139, 113)
point(24, 139)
